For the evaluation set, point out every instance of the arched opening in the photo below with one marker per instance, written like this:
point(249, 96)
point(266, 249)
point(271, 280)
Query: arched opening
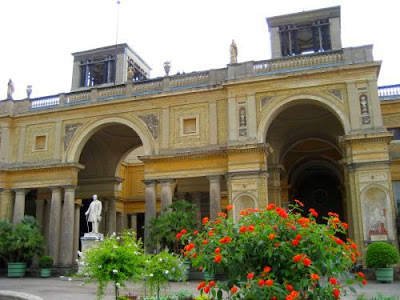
point(103, 155)
point(304, 142)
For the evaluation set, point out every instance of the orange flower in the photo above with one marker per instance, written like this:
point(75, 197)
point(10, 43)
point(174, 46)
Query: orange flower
point(194, 255)
point(217, 250)
point(217, 258)
point(205, 242)
point(339, 241)
point(201, 285)
point(225, 240)
point(251, 228)
point(298, 202)
point(229, 207)
point(261, 283)
point(243, 229)
point(217, 221)
point(211, 284)
point(314, 276)
point(195, 233)
point(298, 257)
point(313, 212)
point(233, 289)
point(206, 289)
point(270, 206)
point(250, 276)
point(269, 282)
point(205, 220)
point(364, 281)
point(361, 274)
point(267, 269)
point(307, 262)
point(271, 236)
point(222, 215)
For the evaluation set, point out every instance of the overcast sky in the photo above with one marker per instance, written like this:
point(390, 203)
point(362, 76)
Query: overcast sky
point(38, 36)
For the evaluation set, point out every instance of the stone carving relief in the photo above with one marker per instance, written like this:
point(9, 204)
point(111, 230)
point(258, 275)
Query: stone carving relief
point(242, 122)
point(69, 132)
point(265, 101)
point(375, 214)
point(365, 117)
point(151, 122)
point(337, 93)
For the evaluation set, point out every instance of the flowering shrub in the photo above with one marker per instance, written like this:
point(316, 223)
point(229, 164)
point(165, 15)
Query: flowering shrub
point(115, 259)
point(272, 253)
point(160, 269)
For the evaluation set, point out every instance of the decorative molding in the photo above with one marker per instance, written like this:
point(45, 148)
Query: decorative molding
point(69, 133)
point(151, 121)
point(337, 93)
point(265, 101)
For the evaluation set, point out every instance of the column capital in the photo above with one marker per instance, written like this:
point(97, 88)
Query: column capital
point(55, 188)
point(69, 188)
point(214, 178)
point(166, 181)
point(148, 182)
point(20, 190)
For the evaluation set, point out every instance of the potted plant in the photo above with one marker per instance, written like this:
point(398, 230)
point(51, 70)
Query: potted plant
point(382, 256)
point(19, 243)
point(45, 265)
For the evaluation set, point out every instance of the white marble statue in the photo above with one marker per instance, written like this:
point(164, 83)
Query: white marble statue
point(233, 52)
point(93, 214)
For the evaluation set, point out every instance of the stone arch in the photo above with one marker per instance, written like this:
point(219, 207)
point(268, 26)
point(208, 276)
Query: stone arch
point(84, 134)
point(283, 104)
point(242, 202)
point(377, 212)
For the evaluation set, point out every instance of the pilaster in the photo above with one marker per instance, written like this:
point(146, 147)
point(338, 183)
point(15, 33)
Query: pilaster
point(6, 204)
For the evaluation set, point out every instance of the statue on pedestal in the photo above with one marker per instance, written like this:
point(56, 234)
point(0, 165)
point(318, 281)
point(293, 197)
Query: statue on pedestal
point(234, 52)
point(10, 89)
point(93, 214)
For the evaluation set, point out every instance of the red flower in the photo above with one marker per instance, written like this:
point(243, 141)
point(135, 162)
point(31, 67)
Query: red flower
point(261, 283)
point(222, 215)
point(271, 236)
point(233, 289)
point(229, 207)
point(243, 229)
point(269, 282)
point(217, 250)
point(206, 289)
point(298, 257)
point(267, 269)
point(353, 246)
point(244, 213)
point(205, 220)
point(364, 281)
point(201, 285)
point(205, 242)
point(195, 233)
point(270, 206)
point(251, 228)
point(250, 276)
point(307, 262)
point(217, 258)
point(339, 241)
point(211, 284)
point(314, 276)
point(295, 242)
point(333, 281)
point(289, 287)
point(277, 244)
point(178, 236)
point(194, 255)
point(336, 293)
point(225, 240)
point(210, 233)
point(313, 212)
point(217, 221)
point(183, 231)
point(189, 247)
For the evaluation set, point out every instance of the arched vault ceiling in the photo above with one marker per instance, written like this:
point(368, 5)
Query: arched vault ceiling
point(104, 150)
point(302, 122)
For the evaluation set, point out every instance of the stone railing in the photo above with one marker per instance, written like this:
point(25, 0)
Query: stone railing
point(196, 80)
point(45, 102)
point(301, 61)
point(389, 92)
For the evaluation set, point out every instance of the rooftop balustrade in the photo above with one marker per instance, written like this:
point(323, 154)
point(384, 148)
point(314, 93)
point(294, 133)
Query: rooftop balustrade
point(189, 81)
point(389, 92)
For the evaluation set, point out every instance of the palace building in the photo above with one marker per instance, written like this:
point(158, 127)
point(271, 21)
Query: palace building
point(310, 124)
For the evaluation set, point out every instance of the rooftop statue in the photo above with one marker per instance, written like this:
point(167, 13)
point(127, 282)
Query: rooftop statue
point(10, 89)
point(233, 52)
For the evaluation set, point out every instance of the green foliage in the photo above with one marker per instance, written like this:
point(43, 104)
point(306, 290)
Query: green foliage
point(115, 259)
point(20, 242)
point(381, 255)
point(46, 262)
point(379, 296)
point(180, 214)
point(271, 252)
point(160, 269)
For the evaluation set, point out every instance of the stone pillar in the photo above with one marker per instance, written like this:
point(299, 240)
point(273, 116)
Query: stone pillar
point(111, 217)
point(40, 213)
point(77, 218)
point(166, 194)
point(197, 202)
point(215, 196)
point(19, 206)
point(6, 204)
point(122, 222)
point(133, 222)
point(54, 224)
point(150, 205)
point(67, 227)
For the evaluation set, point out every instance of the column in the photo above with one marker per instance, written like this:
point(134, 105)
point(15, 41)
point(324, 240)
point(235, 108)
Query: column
point(166, 194)
point(215, 196)
point(197, 202)
point(111, 217)
point(67, 227)
point(77, 218)
point(40, 213)
point(150, 205)
point(6, 204)
point(19, 205)
point(122, 221)
point(133, 222)
point(54, 224)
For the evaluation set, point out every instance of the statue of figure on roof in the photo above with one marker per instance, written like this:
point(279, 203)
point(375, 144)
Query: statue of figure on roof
point(234, 52)
point(10, 89)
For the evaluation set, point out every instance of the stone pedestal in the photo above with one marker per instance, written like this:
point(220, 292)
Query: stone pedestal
point(89, 240)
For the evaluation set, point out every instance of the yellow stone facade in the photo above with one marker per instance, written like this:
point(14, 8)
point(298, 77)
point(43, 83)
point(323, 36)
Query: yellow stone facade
point(308, 126)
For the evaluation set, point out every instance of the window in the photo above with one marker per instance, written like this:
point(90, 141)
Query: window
point(40, 142)
point(97, 71)
point(396, 133)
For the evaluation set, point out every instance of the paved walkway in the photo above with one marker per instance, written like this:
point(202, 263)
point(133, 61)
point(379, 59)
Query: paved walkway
point(56, 289)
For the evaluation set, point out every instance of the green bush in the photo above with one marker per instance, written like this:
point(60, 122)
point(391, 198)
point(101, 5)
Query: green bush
point(46, 262)
point(381, 255)
point(20, 242)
